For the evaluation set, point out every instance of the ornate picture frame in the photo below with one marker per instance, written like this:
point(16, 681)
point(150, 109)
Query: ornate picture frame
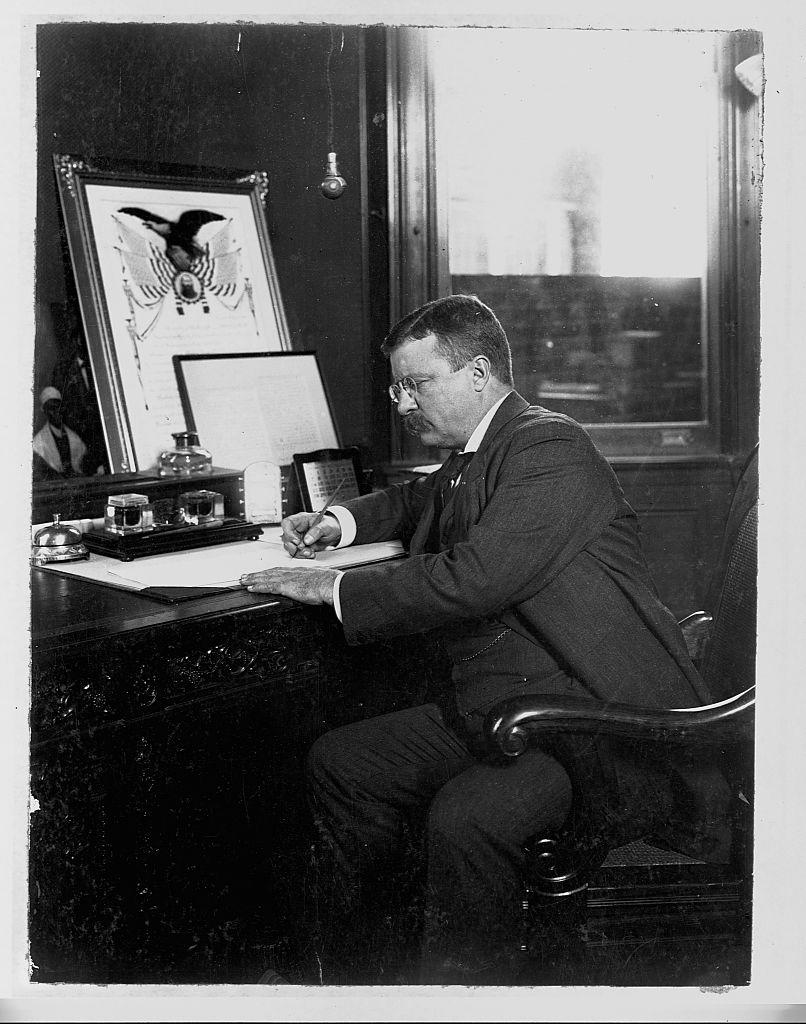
point(166, 263)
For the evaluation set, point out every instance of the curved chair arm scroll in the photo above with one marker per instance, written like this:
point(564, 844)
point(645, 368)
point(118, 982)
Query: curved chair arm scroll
point(696, 628)
point(510, 724)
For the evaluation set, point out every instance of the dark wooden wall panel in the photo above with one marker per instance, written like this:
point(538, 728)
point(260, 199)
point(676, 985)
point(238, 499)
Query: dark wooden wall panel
point(229, 96)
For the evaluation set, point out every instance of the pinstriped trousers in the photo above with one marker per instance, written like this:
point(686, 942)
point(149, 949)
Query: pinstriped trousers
point(373, 781)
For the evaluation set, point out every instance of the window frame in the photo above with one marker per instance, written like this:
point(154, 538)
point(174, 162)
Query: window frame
point(419, 268)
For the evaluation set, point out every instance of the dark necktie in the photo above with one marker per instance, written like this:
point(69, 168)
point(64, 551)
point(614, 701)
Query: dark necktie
point(450, 473)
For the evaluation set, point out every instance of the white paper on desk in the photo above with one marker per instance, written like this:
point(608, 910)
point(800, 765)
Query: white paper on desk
point(223, 565)
point(97, 569)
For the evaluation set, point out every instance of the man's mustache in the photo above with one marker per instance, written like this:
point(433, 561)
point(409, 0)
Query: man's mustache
point(415, 423)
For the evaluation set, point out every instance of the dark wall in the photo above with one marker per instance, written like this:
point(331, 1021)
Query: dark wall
point(248, 97)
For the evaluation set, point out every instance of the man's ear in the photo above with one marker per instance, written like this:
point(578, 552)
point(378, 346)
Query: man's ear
point(481, 372)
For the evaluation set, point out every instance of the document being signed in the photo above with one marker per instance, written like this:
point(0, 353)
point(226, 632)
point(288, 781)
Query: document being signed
point(221, 565)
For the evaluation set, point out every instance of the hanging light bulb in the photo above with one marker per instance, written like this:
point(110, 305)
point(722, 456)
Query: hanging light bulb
point(333, 185)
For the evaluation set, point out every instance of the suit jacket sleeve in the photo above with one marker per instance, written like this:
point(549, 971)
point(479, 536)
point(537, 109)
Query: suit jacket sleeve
point(528, 516)
point(393, 513)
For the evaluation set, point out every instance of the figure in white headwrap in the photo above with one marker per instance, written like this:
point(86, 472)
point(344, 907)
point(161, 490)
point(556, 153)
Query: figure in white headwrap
point(58, 450)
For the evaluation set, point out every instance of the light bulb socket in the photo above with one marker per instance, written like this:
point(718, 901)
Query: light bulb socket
point(333, 185)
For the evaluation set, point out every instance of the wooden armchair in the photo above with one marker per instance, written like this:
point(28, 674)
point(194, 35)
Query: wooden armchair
point(599, 911)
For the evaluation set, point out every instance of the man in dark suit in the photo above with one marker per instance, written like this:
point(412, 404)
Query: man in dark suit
point(524, 555)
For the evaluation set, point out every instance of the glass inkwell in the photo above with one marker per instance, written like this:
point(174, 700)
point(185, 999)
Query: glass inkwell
point(202, 507)
point(128, 513)
point(186, 458)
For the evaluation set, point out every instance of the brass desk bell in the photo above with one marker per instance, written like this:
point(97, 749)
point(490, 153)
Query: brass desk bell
point(58, 542)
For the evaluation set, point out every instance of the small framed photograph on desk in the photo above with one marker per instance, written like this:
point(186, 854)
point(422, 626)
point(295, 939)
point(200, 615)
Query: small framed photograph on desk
point(320, 473)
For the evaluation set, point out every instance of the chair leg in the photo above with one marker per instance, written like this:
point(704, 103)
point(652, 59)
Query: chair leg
point(553, 929)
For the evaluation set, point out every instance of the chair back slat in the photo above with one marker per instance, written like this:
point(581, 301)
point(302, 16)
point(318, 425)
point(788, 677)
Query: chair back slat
point(729, 664)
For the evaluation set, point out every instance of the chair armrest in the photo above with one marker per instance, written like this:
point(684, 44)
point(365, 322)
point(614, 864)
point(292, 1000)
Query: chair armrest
point(696, 629)
point(510, 724)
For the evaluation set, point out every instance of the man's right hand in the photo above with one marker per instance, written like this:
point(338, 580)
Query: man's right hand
point(303, 540)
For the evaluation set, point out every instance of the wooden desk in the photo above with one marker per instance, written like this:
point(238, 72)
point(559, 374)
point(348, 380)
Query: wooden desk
point(171, 841)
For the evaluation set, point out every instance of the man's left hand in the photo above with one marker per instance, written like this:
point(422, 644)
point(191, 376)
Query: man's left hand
point(309, 586)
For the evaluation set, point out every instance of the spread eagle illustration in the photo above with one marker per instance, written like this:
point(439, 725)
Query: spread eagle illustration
point(160, 256)
point(181, 247)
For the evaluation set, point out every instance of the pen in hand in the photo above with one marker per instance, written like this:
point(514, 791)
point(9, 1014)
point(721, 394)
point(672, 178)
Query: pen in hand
point(320, 515)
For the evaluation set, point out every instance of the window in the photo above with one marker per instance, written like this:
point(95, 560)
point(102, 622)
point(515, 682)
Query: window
point(575, 181)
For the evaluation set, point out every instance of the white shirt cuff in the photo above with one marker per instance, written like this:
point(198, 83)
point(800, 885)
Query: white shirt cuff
point(346, 521)
point(336, 599)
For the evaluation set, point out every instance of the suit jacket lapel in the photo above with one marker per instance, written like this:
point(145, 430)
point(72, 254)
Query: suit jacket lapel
point(511, 407)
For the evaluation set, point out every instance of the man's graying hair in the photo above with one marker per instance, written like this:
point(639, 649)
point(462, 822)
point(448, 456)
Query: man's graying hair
point(464, 328)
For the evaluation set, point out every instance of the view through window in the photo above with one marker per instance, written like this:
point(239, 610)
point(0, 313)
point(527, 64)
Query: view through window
point(576, 169)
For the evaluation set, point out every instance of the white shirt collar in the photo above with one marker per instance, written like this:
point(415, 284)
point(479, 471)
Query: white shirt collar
point(475, 439)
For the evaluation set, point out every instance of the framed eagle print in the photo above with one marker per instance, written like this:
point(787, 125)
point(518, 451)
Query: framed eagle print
point(165, 264)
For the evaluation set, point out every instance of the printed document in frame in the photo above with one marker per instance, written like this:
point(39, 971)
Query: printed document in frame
point(256, 406)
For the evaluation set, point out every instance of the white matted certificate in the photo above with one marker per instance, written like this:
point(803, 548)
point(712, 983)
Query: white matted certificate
point(165, 264)
point(256, 406)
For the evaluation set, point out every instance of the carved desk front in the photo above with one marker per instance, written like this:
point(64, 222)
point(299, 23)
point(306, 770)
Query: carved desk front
point(171, 836)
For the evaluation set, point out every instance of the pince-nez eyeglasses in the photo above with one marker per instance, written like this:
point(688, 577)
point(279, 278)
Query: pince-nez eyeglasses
point(407, 384)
